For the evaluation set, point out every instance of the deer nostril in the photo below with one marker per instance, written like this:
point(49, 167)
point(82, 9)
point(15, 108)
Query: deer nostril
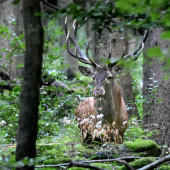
point(98, 90)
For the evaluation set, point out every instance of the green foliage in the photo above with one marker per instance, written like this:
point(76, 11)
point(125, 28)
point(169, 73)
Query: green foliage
point(77, 168)
point(9, 101)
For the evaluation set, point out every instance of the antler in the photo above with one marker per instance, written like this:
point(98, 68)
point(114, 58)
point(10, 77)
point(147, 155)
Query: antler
point(134, 54)
point(79, 55)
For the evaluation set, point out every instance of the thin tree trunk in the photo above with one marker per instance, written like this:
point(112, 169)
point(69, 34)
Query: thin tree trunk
point(157, 104)
point(8, 13)
point(28, 116)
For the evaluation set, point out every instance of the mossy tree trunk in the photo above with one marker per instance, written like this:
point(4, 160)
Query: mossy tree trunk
point(28, 116)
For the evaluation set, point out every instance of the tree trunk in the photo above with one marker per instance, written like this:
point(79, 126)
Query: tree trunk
point(157, 104)
point(28, 116)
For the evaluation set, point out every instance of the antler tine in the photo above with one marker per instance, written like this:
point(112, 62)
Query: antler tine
point(134, 53)
point(110, 52)
point(75, 28)
point(116, 62)
point(83, 22)
point(124, 52)
point(79, 55)
point(67, 46)
point(139, 49)
point(87, 54)
point(66, 30)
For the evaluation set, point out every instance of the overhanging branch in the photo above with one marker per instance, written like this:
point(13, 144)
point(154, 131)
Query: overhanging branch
point(50, 5)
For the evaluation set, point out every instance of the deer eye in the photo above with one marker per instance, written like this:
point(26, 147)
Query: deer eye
point(93, 78)
point(109, 78)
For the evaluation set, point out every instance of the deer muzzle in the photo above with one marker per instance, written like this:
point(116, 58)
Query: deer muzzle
point(98, 91)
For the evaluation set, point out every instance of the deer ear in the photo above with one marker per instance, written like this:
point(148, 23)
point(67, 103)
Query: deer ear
point(118, 69)
point(86, 71)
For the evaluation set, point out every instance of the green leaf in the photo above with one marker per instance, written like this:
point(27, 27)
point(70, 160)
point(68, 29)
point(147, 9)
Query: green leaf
point(166, 21)
point(8, 56)
point(165, 35)
point(154, 52)
point(159, 100)
point(15, 2)
point(38, 14)
point(20, 65)
point(97, 14)
point(22, 45)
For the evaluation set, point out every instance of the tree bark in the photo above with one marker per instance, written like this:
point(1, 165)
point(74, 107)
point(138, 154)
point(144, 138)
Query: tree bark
point(28, 116)
point(157, 104)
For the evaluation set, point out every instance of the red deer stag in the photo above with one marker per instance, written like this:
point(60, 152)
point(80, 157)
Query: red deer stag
point(105, 114)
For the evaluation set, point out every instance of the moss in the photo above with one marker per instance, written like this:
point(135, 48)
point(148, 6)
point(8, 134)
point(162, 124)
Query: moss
point(79, 159)
point(164, 167)
point(50, 162)
point(77, 168)
point(143, 145)
point(115, 156)
point(56, 161)
point(103, 165)
point(139, 163)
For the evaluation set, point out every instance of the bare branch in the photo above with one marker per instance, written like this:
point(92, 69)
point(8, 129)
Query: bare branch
point(85, 165)
point(156, 163)
point(50, 5)
point(58, 165)
point(126, 164)
point(4, 75)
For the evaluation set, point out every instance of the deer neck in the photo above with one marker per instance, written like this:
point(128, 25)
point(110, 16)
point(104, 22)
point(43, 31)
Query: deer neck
point(109, 104)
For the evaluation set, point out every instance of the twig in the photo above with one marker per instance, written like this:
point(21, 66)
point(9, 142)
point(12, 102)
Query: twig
point(50, 5)
point(44, 166)
point(112, 160)
point(126, 164)
point(156, 163)
point(164, 87)
point(84, 165)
